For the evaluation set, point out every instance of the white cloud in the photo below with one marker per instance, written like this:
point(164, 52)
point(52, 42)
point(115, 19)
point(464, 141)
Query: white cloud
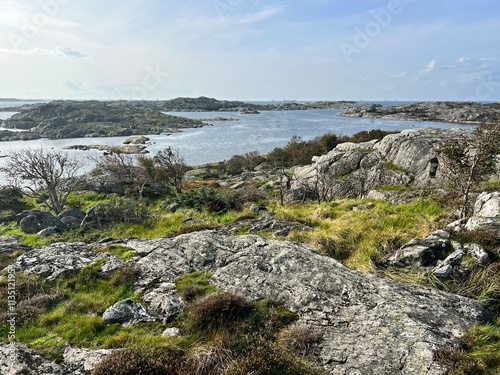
point(429, 67)
point(59, 51)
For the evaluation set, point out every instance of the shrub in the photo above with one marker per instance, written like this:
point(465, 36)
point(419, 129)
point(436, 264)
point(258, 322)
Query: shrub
point(301, 339)
point(208, 359)
point(218, 311)
point(138, 362)
point(262, 358)
point(10, 197)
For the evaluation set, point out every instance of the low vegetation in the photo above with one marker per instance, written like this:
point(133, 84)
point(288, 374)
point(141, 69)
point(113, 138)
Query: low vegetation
point(222, 332)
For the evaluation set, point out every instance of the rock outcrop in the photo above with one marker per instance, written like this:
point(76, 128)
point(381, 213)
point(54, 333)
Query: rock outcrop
point(63, 258)
point(10, 244)
point(17, 359)
point(454, 112)
point(353, 169)
point(369, 325)
point(74, 119)
point(400, 325)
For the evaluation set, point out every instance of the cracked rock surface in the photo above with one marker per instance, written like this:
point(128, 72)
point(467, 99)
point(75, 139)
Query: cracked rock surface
point(371, 325)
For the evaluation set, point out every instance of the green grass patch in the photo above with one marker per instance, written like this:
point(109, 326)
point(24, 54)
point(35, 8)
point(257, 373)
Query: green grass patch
point(361, 233)
point(194, 285)
point(479, 355)
point(119, 251)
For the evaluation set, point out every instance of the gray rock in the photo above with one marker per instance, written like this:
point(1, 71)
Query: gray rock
point(237, 185)
point(34, 221)
point(72, 212)
point(487, 205)
point(83, 361)
point(444, 271)
point(17, 359)
point(71, 221)
point(172, 207)
point(457, 226)
point(420, 252)
point(9, 244)
point(454, 258)
point(136, 140)
point(483, 223)
point(478, 253)
point(172, 332)
point(163, 301)
point(50, 231)
point(57, 259)
point(127, 313)
point(400, 325)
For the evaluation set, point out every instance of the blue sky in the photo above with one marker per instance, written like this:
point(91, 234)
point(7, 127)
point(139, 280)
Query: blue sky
point(251, 49)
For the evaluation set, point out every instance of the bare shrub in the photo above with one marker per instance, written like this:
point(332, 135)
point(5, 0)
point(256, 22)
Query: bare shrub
point(302, 339)
point(219, 310)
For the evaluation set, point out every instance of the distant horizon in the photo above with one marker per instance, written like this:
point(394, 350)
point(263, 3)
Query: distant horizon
point(244, 101)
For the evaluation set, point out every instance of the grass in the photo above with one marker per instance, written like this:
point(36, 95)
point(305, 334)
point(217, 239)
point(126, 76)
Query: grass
point(479, 354)
point(361, 233)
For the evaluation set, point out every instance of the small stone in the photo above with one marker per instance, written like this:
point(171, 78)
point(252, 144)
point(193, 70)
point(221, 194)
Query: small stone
point(171, 332)
point(478, 253)
point(443, 271)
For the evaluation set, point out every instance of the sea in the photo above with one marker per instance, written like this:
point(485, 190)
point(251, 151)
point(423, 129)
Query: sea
point(220, 140)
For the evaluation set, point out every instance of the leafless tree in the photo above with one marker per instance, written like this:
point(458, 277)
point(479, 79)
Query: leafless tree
point(466, 161)
point(51, 174)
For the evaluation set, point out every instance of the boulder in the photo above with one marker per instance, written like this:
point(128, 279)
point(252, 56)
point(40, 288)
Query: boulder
point(127, 313)
point(72, 212)
point(483, 223)
point(478, 253)
point(83, 361)
point(34, 221)
point(163, 301)
point(50, 231)
point(420, 252)
point(400, 325)
point(17, 359)
point(487, 205)
point(9, 244)
point(61, 258)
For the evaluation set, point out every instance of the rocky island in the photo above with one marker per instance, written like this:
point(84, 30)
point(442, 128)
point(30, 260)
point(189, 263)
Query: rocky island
point(75, 119)
point(453, 112)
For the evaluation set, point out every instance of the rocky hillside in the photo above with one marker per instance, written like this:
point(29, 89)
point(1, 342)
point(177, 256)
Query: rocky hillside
point(408, 158)
point(453, 112)
point(368, 325)
point(72, 119)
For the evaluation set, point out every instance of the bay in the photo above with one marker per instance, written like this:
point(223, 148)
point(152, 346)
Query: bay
point(220, 140)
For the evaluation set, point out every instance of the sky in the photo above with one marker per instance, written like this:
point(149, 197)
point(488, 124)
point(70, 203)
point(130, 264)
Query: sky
point(251, 49)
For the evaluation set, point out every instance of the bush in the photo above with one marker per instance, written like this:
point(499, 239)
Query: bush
point(219, 199)
point(263, 358)
point(138, 362)
point(301, 339)
point(218, 311)
point(10, 197)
